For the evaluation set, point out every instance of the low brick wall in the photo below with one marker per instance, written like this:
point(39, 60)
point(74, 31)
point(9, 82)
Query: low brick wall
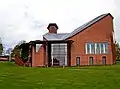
point(4, 58)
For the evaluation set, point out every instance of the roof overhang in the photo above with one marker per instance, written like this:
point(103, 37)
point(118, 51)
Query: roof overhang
point(24, 45)
point(51, 41)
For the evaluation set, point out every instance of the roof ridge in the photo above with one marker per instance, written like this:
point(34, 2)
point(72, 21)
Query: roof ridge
point(87, 24)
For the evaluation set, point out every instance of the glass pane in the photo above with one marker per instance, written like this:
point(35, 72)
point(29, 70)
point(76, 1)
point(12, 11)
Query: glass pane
point(98, 48)
point(88, 48)
point(106, 48)
point(59, 53)
point(77, 61)
point(102, 47)
point(91, 61)
point(38, 47)
point(92, 48)
point(104, 60)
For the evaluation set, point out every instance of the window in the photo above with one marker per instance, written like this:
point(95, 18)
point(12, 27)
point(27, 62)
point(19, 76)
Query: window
point(59, 52)
point(90, 48)
point(96, 48)
point(104, 60)
point(105, 48)
point(101, 48)
point(87, 48)
point(38, 47)
point(77, 61)
point(91, 61)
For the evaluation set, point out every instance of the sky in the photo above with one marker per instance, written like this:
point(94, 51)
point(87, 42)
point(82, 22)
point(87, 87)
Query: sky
point(28, 19)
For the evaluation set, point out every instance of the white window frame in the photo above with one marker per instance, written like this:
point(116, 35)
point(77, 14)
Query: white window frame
point(95, 48)
point(104, 48)
point(100, 48)
point(86, 48)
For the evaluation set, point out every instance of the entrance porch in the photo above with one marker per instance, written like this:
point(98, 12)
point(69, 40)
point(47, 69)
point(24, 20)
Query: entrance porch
point(51, 53)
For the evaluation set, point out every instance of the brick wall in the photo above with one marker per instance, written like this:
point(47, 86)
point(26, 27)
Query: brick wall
point(98, 32)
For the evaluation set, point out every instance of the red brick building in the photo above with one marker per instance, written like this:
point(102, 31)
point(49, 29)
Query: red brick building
point(89, 44)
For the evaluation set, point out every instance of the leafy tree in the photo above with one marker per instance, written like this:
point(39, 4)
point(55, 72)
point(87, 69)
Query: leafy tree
point(1, 47)
point(117, 47)
point(22, 53)
point(16, 50)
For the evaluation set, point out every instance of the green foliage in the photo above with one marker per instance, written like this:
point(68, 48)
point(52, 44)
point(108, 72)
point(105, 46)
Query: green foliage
point(22, 51)
point(15, 51)
point(117, 47)
point(1, 48)
point(89, 77)
point(24, 54)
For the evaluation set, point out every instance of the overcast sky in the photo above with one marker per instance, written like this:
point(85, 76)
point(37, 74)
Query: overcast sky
point(28, 19)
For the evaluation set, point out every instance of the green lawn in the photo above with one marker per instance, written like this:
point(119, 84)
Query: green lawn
point(94, 77)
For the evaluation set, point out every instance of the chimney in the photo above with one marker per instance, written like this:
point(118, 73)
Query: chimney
point(52, 27)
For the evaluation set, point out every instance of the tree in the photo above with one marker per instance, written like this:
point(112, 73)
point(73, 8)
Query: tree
point(117, 47)
point(16, 50)
point(1, 47)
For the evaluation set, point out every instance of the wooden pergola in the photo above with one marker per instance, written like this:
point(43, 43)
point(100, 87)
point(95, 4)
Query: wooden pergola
point(31, 49)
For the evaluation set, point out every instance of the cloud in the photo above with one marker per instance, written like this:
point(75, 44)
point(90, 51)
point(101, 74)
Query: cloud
point(116, 15)
point(16, 26)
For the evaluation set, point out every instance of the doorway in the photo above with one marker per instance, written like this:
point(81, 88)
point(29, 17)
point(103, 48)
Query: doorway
point(59, 54)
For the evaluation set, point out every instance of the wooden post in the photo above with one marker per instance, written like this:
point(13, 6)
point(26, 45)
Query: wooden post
point(29, 56)
point(33, 56)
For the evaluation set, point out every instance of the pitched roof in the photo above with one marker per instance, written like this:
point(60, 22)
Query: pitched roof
point(84, 26)
point(64, 36)
point(53, 36)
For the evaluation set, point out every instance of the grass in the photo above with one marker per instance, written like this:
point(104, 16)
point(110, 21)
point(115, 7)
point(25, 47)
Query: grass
point(94, 77)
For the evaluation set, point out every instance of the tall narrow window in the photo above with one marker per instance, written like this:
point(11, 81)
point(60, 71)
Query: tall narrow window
point(102, 48)
point(77, 61)
point(92, 48)
point(91, 61)
point(97, 48)
point(104, 60)
point(88, 48)
point(106, 48)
